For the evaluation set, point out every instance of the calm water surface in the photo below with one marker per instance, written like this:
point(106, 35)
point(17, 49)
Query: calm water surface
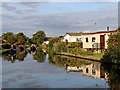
point(39, 70)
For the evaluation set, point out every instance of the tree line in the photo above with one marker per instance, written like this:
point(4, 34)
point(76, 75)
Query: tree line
point(21, 38)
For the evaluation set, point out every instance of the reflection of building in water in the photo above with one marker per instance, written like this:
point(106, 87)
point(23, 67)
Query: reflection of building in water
point(94, 71)
point(74, 69)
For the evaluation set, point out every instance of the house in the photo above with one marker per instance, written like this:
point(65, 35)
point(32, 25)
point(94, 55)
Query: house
point(46, 42)
point(95, 42)
point(72, 37)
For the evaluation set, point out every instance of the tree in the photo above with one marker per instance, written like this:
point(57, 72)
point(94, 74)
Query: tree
point(21, 40)
point(113, 52)
point(38, 37)
point(11, 39)
point(21, 34)
point(7, 35)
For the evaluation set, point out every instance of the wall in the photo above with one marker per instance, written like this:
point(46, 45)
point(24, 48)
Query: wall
point(71, 38)
point(97, 41)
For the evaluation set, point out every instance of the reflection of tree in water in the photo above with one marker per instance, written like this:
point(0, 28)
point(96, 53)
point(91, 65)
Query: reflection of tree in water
point(39, 55)
point(63, 61)
point(14, 56)
point(21, 55)
point(113, 75)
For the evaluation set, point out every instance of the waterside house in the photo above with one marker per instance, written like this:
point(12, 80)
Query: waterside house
point(95, 42)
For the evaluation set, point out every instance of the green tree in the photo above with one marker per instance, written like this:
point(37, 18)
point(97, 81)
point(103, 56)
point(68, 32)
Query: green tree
point(21, 38)
point(113, 52)
point(7, 35)
point(38, 37)
point(11, 39)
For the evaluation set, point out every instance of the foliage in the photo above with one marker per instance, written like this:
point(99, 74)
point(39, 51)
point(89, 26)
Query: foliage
point(7, 35)
point(51, 44)
point(113, 75)
point(39, 55)
point(17, 36)
point(113, 52)
point(21, 40)
point(38, 37)
point(63, 62)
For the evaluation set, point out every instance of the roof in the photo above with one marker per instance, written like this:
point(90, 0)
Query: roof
point(74, 34)
point(55, 41)
point(101, 32)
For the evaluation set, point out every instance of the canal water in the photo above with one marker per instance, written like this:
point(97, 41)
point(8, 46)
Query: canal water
point(38, 69)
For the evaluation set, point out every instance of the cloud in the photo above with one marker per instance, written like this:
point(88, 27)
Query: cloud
point(60, 23)
point(8, 7)
point(61, 1)
point(30, 4)
point(24, 11)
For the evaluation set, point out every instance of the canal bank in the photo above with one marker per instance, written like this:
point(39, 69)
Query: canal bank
point(80, 56)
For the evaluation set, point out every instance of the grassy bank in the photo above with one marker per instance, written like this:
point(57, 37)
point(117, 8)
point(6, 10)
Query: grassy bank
point(73, 48)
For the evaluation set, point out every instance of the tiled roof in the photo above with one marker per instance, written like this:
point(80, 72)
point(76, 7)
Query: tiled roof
point(79, 34)
point(74, 34)
point(100, 32)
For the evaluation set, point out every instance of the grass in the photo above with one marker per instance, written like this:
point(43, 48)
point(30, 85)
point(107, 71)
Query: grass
point(99, 55)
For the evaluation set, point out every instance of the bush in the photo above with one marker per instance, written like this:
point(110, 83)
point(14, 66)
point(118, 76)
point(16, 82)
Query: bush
point(113, 52)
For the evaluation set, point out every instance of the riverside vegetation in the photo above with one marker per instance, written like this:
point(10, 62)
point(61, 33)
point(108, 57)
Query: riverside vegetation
point(21, 39)
point(69, 47)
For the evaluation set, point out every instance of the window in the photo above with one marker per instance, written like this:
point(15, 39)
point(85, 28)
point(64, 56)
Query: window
point(87, 70)
point(80, 39)
point(93, 39)
point(93, 71)
point(87, 39)
point(77, 39)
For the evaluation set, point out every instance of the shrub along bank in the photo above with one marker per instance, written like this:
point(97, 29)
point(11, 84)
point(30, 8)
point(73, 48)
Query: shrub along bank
point(113, 52)
point(70, 47)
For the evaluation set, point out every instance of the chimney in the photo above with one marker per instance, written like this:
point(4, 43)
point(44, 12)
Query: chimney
point(107, 28)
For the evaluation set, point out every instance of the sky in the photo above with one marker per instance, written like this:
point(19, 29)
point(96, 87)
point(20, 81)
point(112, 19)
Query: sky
point(58, 18)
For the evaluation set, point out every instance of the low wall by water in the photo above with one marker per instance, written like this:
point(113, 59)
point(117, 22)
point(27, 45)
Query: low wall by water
point(80, 56)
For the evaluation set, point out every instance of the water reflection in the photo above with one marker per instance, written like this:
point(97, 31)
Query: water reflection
point(82, 68)
point(39, 55)
point(15, 55)
point(107, 72)
point(20, 54)
point(112, 75)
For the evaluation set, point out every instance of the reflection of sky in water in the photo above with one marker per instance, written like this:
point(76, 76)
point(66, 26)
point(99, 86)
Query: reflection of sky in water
point(30, 73)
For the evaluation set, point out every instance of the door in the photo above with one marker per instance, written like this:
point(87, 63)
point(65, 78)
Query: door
point(102, 41)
